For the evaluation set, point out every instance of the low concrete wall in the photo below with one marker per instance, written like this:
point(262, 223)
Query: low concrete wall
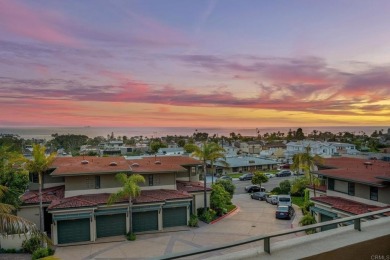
point(13, 241)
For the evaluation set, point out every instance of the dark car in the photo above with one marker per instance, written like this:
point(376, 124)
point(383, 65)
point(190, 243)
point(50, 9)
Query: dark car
point(284, 212)
point(283, 173)
point(254, 188)
point(246, 177)
point(225, 177)
point(260, 195)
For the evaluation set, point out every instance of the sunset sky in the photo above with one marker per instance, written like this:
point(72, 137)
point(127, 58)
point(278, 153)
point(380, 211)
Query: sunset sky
point(194, 63)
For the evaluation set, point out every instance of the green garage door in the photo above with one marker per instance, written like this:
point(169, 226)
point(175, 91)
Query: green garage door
point(110, 225)
point(145, 221)
point(72, 231)
point(325, 218)
point(173, 217)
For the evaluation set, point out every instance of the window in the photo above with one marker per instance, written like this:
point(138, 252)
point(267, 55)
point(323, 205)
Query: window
point(374, 193)
point(331, 184)
point(97, 182)
point(34, 178)
point(150, 178)
point(351, 188)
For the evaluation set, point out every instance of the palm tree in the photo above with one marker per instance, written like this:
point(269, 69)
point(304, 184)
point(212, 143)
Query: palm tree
point(306, 220)
point(12, 224)
point(306, 162)
point(129, 190)
point(39, 165)
point(208, 152)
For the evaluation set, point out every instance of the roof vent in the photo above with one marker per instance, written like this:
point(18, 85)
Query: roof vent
point(135, 164)
point(157, 162)
point(84, 162)
point(113, 164)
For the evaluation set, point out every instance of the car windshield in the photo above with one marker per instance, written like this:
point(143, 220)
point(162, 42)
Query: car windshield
point(284, 199)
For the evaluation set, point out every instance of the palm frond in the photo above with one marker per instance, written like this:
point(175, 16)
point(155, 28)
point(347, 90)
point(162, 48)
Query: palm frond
point(6, 208)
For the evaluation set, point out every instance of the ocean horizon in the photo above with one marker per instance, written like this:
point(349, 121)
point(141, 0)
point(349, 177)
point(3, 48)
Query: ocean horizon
point(46, 132)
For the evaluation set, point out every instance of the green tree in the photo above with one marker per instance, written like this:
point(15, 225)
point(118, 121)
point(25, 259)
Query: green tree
point(181, 143)
point(299, 135)
point(219, 198)
point(208, 152)
point(259, 178)
point(298, 185)
point(227, 185)
point(285, 187)
point(39, 165)
point(130, 190)
point(155, 145)
point(306, 162)
point(306, 220)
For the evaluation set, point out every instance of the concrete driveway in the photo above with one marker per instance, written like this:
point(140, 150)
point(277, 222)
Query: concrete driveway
point(252, 218)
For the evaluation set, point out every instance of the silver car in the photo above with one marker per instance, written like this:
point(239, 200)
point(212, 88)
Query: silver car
point(273, 199)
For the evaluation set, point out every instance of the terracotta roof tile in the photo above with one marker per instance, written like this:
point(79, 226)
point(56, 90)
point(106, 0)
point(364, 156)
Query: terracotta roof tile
point(358, 170)
point(74, 166)
point(347, 205)
point(162, 164)
point(147, 196)
point(48, 195)
point(191, 186)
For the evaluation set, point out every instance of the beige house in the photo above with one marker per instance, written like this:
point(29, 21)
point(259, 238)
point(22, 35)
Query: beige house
point(353, 186)
point(76, 190)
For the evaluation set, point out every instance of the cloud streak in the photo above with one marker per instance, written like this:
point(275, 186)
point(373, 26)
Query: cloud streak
point(282, 84)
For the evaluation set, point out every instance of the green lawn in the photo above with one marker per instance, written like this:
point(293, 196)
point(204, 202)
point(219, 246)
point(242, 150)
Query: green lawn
point(234, 175)
point(297, 201)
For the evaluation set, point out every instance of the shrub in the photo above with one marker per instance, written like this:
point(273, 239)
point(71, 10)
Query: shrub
point(276, 191)
point(285, 187)
point(31, 245)
point(228, 186)
point(208, 216)
point(131, 236)
point(193, 221)
point(42, 252)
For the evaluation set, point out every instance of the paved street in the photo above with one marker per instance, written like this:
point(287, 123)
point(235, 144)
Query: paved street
point(252, 218)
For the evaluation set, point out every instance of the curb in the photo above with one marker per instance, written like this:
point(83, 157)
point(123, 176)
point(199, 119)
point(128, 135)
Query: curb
point(224, 216)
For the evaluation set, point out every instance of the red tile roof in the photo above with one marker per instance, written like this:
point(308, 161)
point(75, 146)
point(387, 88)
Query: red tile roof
point(48, 195)
point(357, 170)
point(93, 200)
point(347, 205)
point(191, 186)
point(74, 165)
point(319, 188)
point(162, 164)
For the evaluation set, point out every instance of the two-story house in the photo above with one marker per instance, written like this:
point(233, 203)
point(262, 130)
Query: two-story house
point(76, 190)
point(353, 186)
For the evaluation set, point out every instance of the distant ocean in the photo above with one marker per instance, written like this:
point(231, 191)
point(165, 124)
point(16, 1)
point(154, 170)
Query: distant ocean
point(46, 132)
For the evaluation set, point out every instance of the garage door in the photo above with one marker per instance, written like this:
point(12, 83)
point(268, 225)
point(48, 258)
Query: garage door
point(72, 231)
point(173, 217)
point(145, 221)
point(325, 218)
point(110, 225)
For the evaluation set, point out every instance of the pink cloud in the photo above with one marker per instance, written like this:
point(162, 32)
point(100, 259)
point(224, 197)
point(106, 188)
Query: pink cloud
point(44, 26)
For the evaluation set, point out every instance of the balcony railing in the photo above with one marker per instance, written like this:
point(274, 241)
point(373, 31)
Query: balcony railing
point(356, 220)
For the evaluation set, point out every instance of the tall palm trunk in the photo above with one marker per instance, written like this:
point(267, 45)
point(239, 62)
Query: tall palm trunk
point(130, 215)
point(41, 219)
point(204, 181)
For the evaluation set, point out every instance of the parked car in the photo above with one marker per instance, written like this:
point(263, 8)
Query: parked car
point(254, 188)
point(284, 200)
point(283, 173)
point(269, 175)
point(260, 195)
point(284, 212)
point(273, 199)
point(246, 177)
point(225, 177)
